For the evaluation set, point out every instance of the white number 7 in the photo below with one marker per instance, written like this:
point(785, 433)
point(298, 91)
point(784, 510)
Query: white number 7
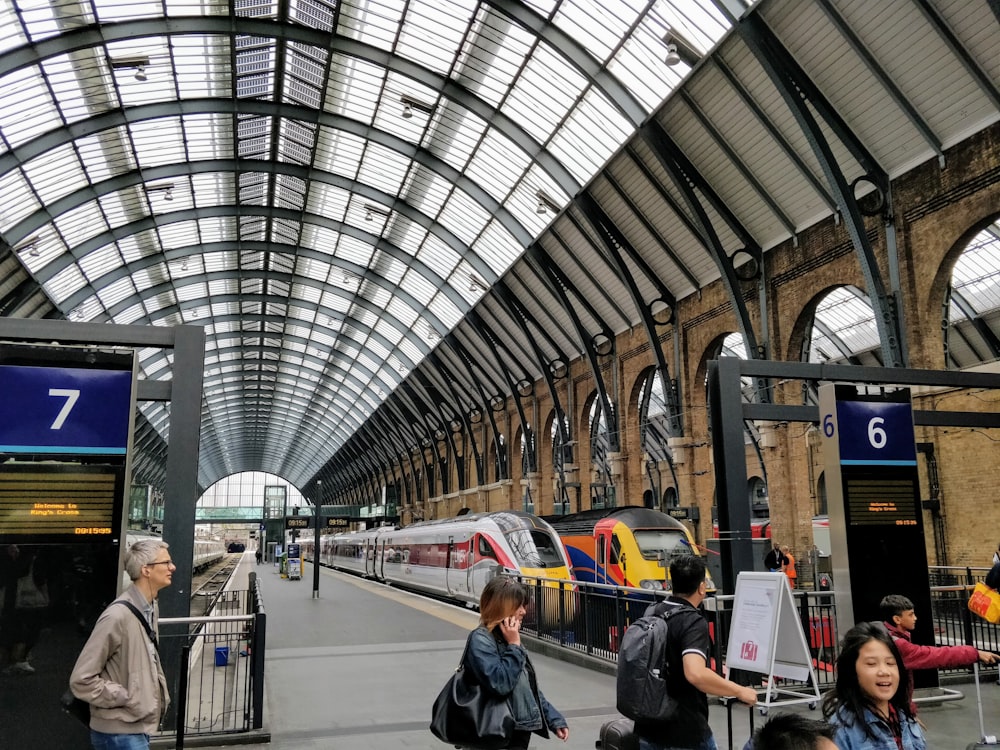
point(71, 396)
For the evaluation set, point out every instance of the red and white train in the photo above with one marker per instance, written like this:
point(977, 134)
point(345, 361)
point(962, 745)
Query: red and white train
point(451, 558)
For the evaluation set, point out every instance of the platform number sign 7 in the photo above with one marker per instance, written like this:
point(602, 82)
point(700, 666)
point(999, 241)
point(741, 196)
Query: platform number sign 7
point(71, 395)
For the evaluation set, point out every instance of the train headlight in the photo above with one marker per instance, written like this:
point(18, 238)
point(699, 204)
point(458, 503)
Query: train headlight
point(652, 584)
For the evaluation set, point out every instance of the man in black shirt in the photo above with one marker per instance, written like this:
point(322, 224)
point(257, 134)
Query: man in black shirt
point(775, 560)
point(689, 677)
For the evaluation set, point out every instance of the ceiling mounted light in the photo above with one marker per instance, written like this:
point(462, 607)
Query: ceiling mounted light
point(372, 210)
point(168, 194)
point(545, 203)
point(672, 57)
point(410, 104)
point(140, 74)
point(184, 265)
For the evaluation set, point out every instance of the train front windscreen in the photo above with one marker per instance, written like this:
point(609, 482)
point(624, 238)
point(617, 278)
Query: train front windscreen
point(665, 543)
point(535, 548)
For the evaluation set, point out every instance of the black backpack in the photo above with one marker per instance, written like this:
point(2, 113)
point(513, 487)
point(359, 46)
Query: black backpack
point(643, 669)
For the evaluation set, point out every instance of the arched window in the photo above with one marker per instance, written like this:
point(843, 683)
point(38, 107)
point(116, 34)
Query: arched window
point(602, 491)
point(971, 328)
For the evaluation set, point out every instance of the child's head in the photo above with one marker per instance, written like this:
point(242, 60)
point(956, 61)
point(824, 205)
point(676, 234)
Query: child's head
point(793, 732)
point(870, 672)
point(898, 610)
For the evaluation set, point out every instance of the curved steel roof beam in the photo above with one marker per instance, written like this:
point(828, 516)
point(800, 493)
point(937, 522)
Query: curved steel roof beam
point(99, 35)
point(205, 278)
point(48, 214)
point(803, 98)
point(776, 135)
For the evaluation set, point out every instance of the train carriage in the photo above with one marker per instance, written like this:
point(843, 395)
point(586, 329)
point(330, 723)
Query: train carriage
point(454, 557)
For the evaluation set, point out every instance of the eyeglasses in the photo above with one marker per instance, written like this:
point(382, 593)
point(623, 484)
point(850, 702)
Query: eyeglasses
point(162, 562)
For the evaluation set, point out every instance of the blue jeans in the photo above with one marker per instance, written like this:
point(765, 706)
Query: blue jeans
point(102, 741)
point(707, 744)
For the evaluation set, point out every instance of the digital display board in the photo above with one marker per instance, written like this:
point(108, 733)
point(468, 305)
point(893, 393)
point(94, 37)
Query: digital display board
point(60, 503)
point(880, 501)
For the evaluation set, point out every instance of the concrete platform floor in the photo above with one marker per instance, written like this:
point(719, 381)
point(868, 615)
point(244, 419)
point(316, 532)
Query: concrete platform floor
point(360, 666)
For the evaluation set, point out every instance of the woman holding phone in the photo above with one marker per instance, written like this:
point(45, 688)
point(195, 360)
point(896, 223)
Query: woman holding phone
point(496, 660)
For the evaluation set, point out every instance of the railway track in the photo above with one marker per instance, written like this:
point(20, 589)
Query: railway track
point(207, 586)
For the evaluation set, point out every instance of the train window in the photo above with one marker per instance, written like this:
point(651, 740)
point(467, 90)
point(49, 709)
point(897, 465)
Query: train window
point(534, 548)
point(486, 549)
point(616, 549)
point(656, 542)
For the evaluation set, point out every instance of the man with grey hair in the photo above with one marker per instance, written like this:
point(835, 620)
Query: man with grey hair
point(118, 672)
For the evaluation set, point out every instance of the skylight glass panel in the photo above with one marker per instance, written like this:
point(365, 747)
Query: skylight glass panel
point(116, 292)
point(201, 65)
point(129, 315)
point(178, 234)
point(372, 22)
point(353, 88)
point(103, 149)
point(432, 31)
point(457, 145)
point(421, 288)
point(464, 217)
point(354, 250)
point(493, 54)
point(55, 173)
point(590, 135)
point(439, 257)
point(498, 165)
point(65, 284)
point(81, 223)
point(383, 168)
point(10, 28)
point(26, 109)
point(159, 141)
point(99, 262)
point(446, 310)
point(544, 93)
point(425, 190)
point(16, 199)
point(596, 25)
point(327, 201)
point(498, 248)
point(402, 311)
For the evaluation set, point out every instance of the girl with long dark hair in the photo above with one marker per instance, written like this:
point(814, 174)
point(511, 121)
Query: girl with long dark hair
point(869, 706)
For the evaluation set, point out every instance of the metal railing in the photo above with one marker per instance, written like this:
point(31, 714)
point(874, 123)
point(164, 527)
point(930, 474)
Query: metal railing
point(590, 618)
point(220, 685)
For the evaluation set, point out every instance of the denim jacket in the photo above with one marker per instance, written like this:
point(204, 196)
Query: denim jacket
point(506, 671)
point(851, 734)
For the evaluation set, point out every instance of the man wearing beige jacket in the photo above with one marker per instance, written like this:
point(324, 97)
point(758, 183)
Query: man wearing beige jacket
point(118, 672)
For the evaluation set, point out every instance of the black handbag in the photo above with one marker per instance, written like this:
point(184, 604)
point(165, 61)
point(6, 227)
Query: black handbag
point(78, 709)
point(465, 715)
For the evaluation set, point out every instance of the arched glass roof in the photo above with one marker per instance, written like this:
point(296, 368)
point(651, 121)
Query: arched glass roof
point(328, 188)
point(389, 215)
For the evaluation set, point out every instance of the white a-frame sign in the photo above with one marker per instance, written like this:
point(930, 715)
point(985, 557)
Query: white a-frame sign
point(766, 636)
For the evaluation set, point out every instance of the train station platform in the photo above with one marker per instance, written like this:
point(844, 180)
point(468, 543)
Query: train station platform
point(360, 666)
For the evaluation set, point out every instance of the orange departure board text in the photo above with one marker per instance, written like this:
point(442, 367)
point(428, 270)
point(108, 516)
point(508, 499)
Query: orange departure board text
point(78, 502)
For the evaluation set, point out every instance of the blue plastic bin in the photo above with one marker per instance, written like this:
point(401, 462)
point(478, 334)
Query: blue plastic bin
point(221, 656)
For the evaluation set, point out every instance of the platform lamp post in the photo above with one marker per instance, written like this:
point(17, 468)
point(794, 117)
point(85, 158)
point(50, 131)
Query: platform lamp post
point(317, 518)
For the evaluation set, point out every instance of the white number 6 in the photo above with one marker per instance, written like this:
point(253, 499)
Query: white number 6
point(71, 397)
point(876, 435)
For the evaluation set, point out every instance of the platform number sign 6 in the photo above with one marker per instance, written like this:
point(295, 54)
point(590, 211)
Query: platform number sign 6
point(872, 432)
point(71, 395)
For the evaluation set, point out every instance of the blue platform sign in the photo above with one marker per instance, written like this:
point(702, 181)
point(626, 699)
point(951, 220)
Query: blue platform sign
point(876, 433)
point(62, 410)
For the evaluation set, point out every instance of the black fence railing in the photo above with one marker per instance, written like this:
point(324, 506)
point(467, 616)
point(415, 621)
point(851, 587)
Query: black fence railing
point(220, 687)
point(591, 618)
